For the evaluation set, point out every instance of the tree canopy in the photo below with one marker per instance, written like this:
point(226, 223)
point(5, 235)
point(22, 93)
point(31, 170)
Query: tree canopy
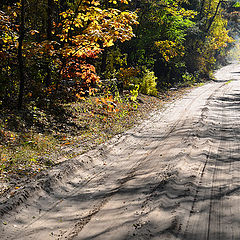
point(63, 49)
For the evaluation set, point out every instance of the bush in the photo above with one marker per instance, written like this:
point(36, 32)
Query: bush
point(136, 81)
point(189, 78)
point(148, 83)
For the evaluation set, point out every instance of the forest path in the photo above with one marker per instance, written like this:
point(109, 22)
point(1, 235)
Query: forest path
point(175, 176)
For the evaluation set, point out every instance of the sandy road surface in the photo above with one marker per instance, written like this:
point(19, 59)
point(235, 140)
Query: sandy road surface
point(176, 176)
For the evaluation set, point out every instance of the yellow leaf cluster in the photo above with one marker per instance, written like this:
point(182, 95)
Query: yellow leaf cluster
point(169, 49)
point(93, 25)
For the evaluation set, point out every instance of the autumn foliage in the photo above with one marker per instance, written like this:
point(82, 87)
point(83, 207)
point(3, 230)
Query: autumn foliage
point(64, 49)
point(63, 53)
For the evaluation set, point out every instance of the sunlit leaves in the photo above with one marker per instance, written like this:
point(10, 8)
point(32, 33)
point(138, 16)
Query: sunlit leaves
point(169, 49)
point(237, 5)
point(8, 31)
point(216, 35)
point(84, 33)
point(107, 105)
point(94, 24)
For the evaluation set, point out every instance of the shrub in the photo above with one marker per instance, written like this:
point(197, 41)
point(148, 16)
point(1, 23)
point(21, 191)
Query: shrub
point(189, 78)
point(148, 83)
point(136, 81)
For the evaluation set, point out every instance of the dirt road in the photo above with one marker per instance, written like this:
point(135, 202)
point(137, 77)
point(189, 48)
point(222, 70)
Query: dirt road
point(176, 176)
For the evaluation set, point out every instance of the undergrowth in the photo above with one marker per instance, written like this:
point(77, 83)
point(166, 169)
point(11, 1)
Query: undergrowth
point(36, 139)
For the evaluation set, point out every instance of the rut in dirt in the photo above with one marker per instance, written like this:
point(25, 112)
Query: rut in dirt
point(176, 176)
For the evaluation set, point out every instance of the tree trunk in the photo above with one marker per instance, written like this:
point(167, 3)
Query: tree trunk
point(213, 17)
point(20, 56)
point(104, 60)
point(49, 37)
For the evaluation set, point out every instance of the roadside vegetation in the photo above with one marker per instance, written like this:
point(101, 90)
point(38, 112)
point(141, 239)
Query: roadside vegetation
point(34, 139)
point(75, 73)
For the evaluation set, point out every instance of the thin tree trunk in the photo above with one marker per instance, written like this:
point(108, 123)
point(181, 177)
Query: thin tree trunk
point(213, 17)
point(49, 37)
point(19, 56)
point(104, 60)
point(72, 21)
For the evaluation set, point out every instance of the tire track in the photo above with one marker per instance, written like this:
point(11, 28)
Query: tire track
point(214, 190)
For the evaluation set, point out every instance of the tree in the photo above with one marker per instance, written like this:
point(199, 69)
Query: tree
point(20, 55)
point(57, 42)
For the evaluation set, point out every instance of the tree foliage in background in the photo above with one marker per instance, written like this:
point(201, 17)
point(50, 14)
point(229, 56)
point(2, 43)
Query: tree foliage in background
point(61, 49)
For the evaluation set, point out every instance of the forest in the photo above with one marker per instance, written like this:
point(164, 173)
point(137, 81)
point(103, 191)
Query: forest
point(53, 49)
point(56, 53)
